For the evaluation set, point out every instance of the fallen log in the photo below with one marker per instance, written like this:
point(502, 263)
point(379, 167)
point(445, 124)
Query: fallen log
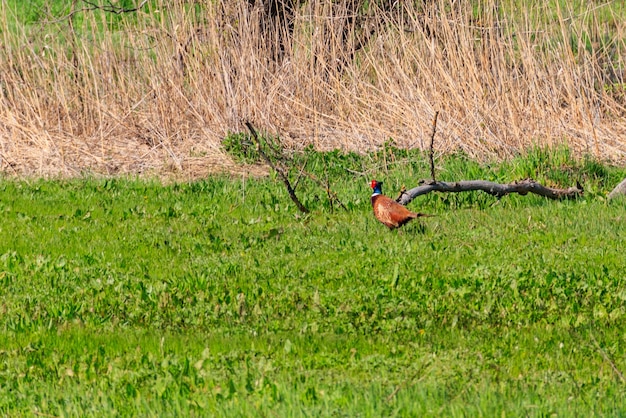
point(619, 190)
point(498, 190)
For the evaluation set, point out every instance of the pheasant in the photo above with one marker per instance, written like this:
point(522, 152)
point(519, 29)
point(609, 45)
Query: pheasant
point(388, 211)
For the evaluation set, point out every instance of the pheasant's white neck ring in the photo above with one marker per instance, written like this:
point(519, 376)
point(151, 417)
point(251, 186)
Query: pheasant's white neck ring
point(376, 194)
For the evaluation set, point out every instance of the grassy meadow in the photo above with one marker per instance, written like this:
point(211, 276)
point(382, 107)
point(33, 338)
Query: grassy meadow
point(217, 298)
point(150, 266)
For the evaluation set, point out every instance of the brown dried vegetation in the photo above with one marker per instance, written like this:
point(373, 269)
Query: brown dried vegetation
point(157, 92)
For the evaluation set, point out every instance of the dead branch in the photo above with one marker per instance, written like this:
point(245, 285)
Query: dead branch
point(522, 187)
point(498, 190)
point(619, 190)
point(332, 196)
point(279, 170)
point(111, 8)
point(431, 155)
point(108, 8)
point(412, 380)
point(608, 359)
point(9, 164)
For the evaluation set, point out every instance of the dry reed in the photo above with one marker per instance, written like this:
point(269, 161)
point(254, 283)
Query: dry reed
point(158, 91)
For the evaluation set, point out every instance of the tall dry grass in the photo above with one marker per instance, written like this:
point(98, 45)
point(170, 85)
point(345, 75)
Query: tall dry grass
point(157, 91)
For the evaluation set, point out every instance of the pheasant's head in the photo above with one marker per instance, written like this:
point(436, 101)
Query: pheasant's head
point(377, 186)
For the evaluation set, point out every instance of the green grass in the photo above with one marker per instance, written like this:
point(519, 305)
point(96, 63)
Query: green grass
point(127, 297)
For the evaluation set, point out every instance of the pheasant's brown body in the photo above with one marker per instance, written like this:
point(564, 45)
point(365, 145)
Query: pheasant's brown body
point(388, 211)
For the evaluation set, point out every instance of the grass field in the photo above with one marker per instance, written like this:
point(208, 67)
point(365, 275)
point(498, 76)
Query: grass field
point(156, 90)
point(132, 283)
point(123, 297)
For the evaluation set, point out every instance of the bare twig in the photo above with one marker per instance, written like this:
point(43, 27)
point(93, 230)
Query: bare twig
point(619, 190)
point(300, 173)
point(402, 193)
point(280, 171)
point(410, 379)
point(522, 187)
point(283, 174)
point(358, 173)
point(431, 155)
point(9, 164)
point(326, 187)
point(111, 8)
point(608, 359)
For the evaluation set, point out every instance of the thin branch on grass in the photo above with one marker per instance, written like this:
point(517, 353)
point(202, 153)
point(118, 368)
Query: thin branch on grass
point(111, 8)
point(300, 173)
point(283, 173)
point(619, 190)
point(411, 379)
point(498, 190)
point(358, 173)
point(431, 156)
point(279, 170)
point(402, 192)
point(608, 359)
point(326, 186)
point(577, 385)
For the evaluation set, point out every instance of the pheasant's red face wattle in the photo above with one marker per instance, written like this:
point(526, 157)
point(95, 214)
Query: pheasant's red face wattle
point(373, 184)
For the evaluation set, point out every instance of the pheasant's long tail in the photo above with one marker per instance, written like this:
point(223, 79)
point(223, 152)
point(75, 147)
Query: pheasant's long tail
point(424, 215)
